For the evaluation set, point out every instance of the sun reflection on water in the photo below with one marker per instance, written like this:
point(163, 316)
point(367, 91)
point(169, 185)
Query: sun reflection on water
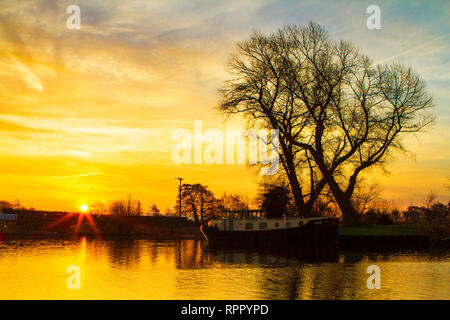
point(186, 269)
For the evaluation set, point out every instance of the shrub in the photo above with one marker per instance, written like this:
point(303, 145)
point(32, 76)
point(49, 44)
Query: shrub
point(385, 219)
point(433, 221)
point(370, 217)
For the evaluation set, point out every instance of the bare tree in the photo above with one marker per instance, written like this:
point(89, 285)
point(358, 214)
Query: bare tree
point(125, 208)
point(233, 202)
point(324, 202)
point(118, 207)
point(198, 201)
point(259, 91)
point(154, 210)
point(430, 198)
point(365, 195)
point(337, 114)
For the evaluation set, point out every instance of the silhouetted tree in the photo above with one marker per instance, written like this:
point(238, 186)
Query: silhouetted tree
point(154, 210)
point(123, 208)
point(430, 198)
point(118, 207)
point(433, 220)
point(274, 199)
point(197, 201)
point(5, 204)
point(233, 202)
point(336, 112)
point(365, 196)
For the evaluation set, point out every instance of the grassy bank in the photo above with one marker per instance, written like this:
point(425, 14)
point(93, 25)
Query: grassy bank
point(378, 230)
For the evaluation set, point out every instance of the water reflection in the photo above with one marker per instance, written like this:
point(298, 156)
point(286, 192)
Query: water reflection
point(189, 269)
point(125, 252)
point(274, 256)
point(190, 255)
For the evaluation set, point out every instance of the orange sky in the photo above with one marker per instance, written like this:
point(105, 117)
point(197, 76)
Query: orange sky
point(87, 115)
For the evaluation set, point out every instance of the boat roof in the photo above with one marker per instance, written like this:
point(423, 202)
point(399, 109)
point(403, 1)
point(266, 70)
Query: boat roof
point(252, 214)
point(242, 214)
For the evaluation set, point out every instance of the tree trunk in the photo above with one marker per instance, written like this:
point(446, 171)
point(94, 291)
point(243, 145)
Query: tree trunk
point(302, 209)
point(344, 202)
point(343, 199)
point(298, 197)
point(348, 211)
point(194, 210)
point(201, 208)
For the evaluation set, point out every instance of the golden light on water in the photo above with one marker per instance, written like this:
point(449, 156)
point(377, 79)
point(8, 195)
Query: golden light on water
point(185, 270)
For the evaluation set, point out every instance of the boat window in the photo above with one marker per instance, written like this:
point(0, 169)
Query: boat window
point(249, 226)
point(288, 224)
point(277, 224)
point(263, 225)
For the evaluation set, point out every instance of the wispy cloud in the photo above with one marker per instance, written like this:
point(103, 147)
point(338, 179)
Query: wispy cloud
point(31, 80)
point(98, 105)
point(79, 175)
point(427, 47)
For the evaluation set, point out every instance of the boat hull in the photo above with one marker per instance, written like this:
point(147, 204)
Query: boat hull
point(323, 233)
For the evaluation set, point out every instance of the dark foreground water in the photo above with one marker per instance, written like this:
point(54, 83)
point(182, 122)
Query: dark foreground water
point(187, 269)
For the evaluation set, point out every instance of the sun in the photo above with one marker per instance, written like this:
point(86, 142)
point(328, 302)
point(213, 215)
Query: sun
point(84, 208)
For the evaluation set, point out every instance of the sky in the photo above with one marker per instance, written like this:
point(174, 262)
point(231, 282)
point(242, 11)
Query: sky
point(87, 115)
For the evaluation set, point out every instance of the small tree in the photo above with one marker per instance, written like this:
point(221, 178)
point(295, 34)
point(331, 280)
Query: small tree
point(365, 196)
point(154, 211)
point(5, 204)
point(233, 202)
point(125, 208)
point(274, 199)
point(430, 198)
point(118, 207)
point(197, 201)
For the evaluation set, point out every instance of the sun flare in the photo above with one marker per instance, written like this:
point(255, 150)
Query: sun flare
point(84, 208)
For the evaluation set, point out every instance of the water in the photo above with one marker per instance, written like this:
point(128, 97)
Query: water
point(186, 269)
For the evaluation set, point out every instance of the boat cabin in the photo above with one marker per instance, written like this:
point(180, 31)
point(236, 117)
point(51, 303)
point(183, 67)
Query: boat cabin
point(255, 220)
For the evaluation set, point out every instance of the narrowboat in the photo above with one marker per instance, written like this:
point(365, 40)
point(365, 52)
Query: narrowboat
point(250, 227)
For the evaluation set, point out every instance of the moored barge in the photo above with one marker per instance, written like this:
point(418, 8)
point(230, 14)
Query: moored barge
point(251, 228)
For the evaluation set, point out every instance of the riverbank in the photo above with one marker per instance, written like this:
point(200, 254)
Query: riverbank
point(382, 236)
point(30, 224)
point(379, 230)
point(152, 227)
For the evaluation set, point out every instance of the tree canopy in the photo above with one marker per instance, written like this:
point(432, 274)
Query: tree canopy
point(337, 113)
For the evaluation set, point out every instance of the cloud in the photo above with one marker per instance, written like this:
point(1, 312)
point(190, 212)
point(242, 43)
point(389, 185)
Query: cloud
point(426, 48)
point(107, 97)
point(28, 76)
point(79, 175)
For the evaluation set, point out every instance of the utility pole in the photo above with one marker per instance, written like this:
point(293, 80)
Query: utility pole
point(129, 204)
point(179, 193)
